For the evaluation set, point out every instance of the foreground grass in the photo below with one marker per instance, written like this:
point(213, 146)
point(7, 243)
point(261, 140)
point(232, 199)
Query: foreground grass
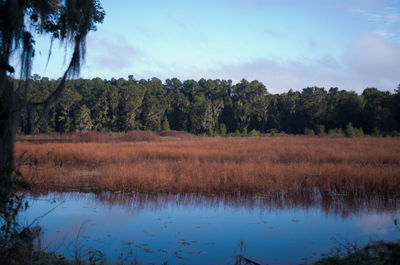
point(352, 166)
point(373, 253)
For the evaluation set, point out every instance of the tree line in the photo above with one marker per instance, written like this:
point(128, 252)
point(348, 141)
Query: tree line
point(207, 106)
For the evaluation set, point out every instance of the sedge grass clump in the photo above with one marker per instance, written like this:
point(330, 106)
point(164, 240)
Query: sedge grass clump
point(352, 166)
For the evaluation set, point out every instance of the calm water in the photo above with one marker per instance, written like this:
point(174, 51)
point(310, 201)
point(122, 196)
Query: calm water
point(195, 229)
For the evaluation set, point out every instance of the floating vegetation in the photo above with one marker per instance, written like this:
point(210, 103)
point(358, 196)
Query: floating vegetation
point(184, 243)
point(146, 250)
point(127, 243)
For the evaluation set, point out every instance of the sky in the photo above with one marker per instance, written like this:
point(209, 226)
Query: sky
point(285, 44)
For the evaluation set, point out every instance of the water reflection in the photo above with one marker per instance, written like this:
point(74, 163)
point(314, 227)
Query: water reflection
point(338, 205)
point(198, 229)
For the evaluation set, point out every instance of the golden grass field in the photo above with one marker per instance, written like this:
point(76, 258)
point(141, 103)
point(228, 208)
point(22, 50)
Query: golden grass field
point(352, 166)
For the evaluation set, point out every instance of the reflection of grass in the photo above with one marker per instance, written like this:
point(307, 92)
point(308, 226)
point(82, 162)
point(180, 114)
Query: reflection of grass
point(265, 166)
point(241, 258)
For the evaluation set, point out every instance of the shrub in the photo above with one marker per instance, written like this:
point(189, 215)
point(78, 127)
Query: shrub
point(309, 131)
point(237, 132)
point(222, 129)
point(272, 132)
point(350, 132)
point(321, 129)
point(393, 133)
point(254, 132)
point(376, 132)
point(337, 132)
point(359, 132)
point(165, 124)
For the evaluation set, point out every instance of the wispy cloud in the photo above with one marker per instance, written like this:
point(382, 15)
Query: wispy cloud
point(385, 33)
point(383, 16)
point(190, 31)
point(374, 60)
point(281, 76)
point(112, 52)
point(370, 61)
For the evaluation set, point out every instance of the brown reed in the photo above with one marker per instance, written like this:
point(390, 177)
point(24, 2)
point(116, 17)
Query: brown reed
point(351, 166)
point(93, 136)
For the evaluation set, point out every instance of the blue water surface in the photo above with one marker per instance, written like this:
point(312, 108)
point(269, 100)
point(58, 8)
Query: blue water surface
point(197, 229)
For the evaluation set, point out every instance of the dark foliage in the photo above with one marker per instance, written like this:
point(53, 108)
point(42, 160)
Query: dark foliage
point(212, 107)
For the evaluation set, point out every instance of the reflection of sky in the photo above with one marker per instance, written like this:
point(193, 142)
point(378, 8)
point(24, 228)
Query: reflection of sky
point(375, 223)
point(196, 234)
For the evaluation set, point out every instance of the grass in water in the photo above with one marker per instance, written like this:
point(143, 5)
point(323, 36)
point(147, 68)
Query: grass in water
point(333, 166)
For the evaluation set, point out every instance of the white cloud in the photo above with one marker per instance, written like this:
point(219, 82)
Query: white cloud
point(374, 61)
point(366, 4)
point(370, 61)
point(385, 33)
point(111, 57)
point(281, 76)
point(112, 52)
point(386, 15)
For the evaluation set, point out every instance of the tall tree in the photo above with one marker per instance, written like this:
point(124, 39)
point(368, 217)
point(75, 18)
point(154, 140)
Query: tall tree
point(250, 102)
point(201, 118)
point(178, 110)
point(154, 104)
point(66, 20)
point(64, 116)
point(343, 107)
point(377, 112)
point(131, 100)
point(313, 106)
point(83, 121)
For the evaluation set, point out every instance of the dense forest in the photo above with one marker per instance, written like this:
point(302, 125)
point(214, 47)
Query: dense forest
point(209, 106)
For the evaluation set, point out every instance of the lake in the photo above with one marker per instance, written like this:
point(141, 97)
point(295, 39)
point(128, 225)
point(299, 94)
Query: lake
point(199, 229)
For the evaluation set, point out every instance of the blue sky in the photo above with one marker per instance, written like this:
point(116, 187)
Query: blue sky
point(351, 44)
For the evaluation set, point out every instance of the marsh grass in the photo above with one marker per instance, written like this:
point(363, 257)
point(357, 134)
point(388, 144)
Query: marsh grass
point(335, 166)
point(92, 136)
